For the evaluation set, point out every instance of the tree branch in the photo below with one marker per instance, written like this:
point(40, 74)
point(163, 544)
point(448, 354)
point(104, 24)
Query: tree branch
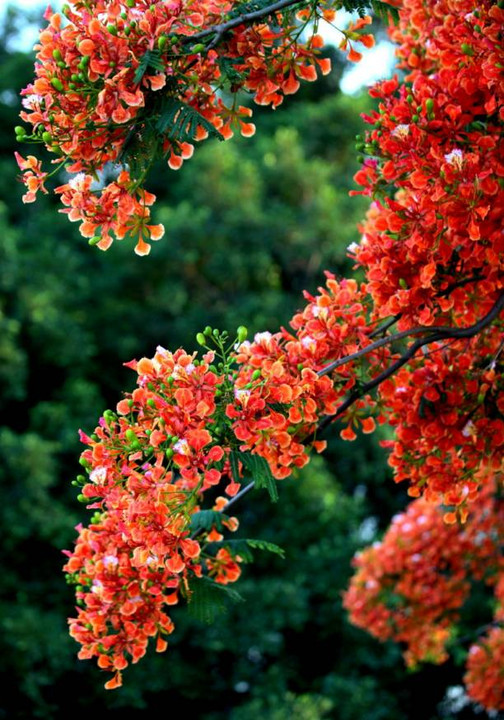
point(437, 333)
point(249, 17)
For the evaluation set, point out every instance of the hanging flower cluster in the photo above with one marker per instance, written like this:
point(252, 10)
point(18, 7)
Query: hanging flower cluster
point(120, 83)
point(411, 587)
point(195, 429)
point(447, 408)
point(435, 167)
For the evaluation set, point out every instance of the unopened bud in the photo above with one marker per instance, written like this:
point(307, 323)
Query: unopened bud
point(242, 333)
point(201, 339)
point(57, 84)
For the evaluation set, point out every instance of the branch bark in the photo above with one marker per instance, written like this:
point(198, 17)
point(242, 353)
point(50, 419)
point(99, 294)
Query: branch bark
point(250, 17)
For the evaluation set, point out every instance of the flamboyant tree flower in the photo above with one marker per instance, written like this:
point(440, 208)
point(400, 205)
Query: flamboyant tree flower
point(120, 83)
point(418, 343)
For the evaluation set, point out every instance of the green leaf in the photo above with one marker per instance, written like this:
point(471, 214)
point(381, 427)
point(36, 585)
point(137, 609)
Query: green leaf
point(235, 469)
point(180, 122)
point(206, 520)
point(379, 7)
point(261, 473)
point(208, 599)
point(151, 59)
point(268, 547)
point(242, 547)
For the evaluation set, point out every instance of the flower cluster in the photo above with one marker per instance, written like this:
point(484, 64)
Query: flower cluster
point(147, 80)
point(447, 408)
point(122, 82)
point(411, 586)
point(182, 435)
point(434, 167)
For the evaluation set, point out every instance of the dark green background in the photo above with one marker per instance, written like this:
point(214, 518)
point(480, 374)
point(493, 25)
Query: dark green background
point(249, 225)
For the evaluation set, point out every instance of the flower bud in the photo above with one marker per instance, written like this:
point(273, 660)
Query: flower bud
point(201, 339)
point(57, 84)
point(94, 240)
point(242, 333)
point(256, 375)
point(47, 137)
point(199, 47)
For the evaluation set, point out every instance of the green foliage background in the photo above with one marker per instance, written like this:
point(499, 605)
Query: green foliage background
point(250, 224)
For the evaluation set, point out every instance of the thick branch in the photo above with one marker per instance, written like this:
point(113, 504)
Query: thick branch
point(249, 17)
point(440, 334)
point(436, 334)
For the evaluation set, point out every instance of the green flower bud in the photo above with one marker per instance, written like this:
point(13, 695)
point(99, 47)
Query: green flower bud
point(57, 54)
point(81, 498)
point(199, 47)
point(256, 375)
point(94, 240)
point(130, 435)
point(130, 3)
point(201, 339)
point(20, 131)
point(112, 29)
point(57, 84)
point(169, 453)
point(242, 333)
point(161, 43)
point(429, 105)
point(208, 330)
point(403, 283)
point(47, 137)
point(83, 462)
point(415, 118)
point(151, 402)
point(467, 49)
